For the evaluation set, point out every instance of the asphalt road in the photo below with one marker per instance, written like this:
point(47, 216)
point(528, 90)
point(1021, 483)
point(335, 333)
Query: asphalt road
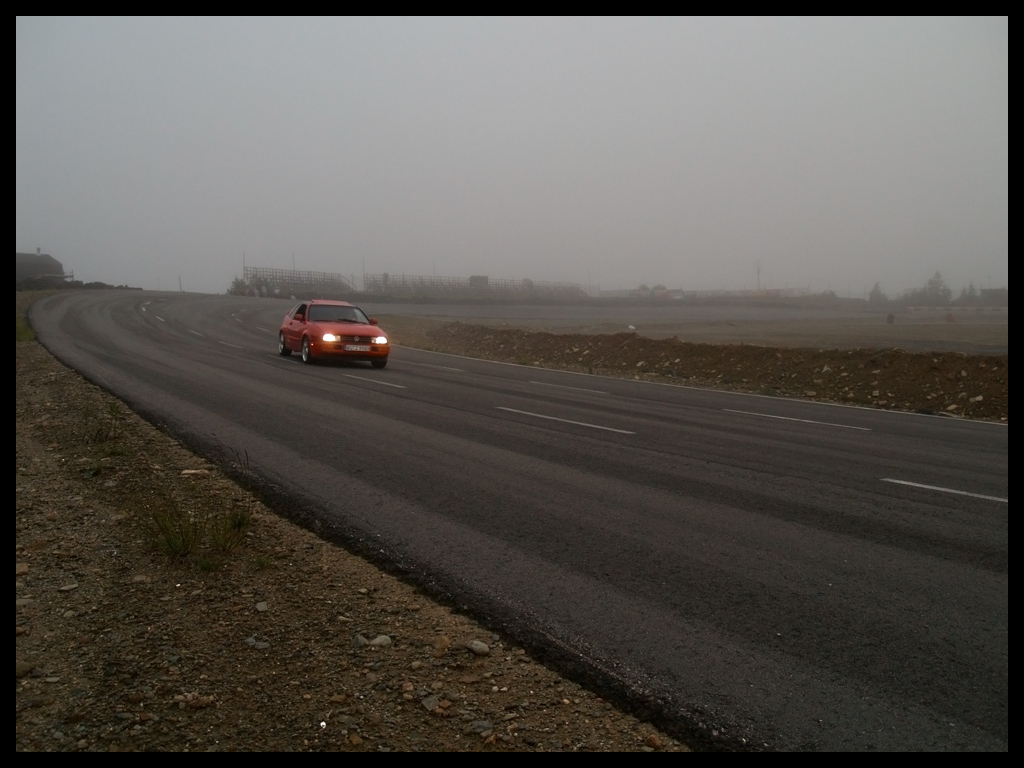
point(761, 572)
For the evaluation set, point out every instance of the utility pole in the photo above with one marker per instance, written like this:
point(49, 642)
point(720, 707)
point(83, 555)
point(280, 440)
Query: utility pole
point(758, 275)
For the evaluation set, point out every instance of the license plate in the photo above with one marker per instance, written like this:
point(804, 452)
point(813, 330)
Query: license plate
point(357, 348)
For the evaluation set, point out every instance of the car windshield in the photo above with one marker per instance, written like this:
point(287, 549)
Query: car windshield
point(326, 313)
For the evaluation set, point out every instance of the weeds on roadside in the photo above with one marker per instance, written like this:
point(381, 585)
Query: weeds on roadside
point(208, 564)
point(23, 331)
point(228, 530)
point(181, 533)
point(103, 428)
point(177, 533)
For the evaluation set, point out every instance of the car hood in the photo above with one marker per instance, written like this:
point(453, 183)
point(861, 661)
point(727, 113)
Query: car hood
point(347, 329)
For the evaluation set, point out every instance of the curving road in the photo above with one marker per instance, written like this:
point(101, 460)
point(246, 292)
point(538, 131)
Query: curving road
point(758, 572)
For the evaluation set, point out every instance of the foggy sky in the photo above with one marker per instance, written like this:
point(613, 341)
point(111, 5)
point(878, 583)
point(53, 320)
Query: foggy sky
point(835, 152)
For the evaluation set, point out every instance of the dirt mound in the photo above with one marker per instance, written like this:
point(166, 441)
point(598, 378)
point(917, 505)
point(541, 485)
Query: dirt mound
point(954, 384)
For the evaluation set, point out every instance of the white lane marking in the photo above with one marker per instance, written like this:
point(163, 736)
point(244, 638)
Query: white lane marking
point(563, 386)
point(373, 381)
point(143, 308)
point(160, 318)
point(197, 333)
point(264, 329)
point(230, 345)
point(789, 418)
point(945, 490)
point(566, 421)
point(428, 365)
point(145, 303)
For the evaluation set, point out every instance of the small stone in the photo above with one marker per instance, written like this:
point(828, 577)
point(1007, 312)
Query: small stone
point(250, 641)
point(51, 516)
point(482, 727)
point(187, 472)
point(430, 703)
point(810, 393)
point(653, 741)
point(22, 668)
point(381, 641)
point(69, 614)
point(66, 587)
point(261, 646)
point(478, 647)
point(440, 644)
point(262, 606)
point(20, 569)
point(642, 364)
point(354, 740)
point(416, 665)
point(19, 631)
point(359, 641)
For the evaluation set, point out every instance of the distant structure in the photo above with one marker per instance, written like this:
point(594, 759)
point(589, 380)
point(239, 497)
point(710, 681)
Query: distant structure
point(480, 286)
point(262, 281)
point(40, 268)
point(677, 293)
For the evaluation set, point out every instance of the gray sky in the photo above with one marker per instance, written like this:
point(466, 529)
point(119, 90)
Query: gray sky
point(837, 152)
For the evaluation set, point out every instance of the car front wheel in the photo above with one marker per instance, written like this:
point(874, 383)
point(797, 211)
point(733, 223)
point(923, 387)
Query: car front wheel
point(282, 348)
point(379, 363)
point(307, 354)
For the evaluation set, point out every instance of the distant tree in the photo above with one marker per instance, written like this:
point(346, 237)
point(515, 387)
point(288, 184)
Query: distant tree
point(238, 287)
point(934, 293)
point(643, 287)
point(877, 296)
point(659, 287)
point(968, 295)
point(937, 289)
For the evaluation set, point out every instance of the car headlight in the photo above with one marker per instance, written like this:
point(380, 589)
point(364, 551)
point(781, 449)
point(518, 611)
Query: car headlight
point(330, 337)
point(381, 340)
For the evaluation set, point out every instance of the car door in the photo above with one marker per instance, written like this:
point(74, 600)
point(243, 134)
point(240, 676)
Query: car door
point(295, 325)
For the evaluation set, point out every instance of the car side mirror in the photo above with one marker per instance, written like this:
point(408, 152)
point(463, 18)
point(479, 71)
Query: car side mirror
point(373, 321)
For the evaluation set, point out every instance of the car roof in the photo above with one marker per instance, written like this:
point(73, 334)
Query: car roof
point(330, 302)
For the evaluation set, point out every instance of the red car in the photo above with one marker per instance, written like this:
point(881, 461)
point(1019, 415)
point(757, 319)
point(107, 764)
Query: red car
point(332, 329)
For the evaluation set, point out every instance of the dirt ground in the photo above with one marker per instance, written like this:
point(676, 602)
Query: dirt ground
point(952, 384)
point(263, 637)
point(980, 330)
